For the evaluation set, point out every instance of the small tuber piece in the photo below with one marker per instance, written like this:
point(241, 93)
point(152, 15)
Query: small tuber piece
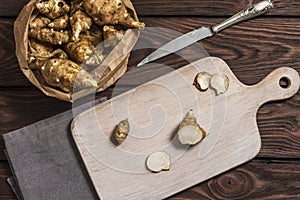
point(219, 82)
point(158, 161)
point(66, 75)
point(49, 35)
point(189, 131)
point(121, 131)
point(79, 21)
point(202, 81)
point(53, 8)
point(60, 23)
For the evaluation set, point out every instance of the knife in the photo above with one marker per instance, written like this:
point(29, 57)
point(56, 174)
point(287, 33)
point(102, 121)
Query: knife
point(201, 33)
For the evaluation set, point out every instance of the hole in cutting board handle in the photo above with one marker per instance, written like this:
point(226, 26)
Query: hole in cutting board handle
point(285, 82)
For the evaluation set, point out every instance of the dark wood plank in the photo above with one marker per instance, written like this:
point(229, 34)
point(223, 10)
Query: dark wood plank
point(5, 191)
point(180, 8)
point(257, 179)
point(252, 49)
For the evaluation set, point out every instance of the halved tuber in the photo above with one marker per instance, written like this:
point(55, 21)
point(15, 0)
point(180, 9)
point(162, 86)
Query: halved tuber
point(121, 131)
point(189, 131)
point(158, 161)
point(219, 82)
point(202, 81)
point(66, 75)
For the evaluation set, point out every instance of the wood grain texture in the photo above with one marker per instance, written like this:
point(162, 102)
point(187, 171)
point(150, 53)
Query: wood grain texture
point(230, 120)
point(257, 179)
point(180, 8)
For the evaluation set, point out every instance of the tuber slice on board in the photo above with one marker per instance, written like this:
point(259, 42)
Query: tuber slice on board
point(53, 8)
point(110, 12)
point(66, 75)
point(202, 81)
point(60, 23)
point(220, 83)
point(49, 35)
point(79, 21)
point(189, 131)
point(121, 131)
point(39, 22)
point(158, 161)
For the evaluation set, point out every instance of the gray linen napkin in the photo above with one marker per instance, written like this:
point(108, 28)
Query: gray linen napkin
point(45, 161)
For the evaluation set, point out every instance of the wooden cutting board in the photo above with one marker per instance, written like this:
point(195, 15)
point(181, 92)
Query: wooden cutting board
point(154, 111)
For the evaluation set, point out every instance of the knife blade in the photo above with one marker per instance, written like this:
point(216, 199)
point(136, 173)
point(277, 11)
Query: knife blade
point(201, 33)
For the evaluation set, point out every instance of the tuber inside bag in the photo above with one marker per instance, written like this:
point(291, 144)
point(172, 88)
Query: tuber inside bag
point(70, 47)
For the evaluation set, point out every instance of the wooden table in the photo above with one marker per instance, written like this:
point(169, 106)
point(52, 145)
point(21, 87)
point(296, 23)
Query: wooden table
point(252, 49)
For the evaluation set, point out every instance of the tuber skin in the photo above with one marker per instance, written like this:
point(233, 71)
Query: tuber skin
point(60, 23)
point(39, 22)
point(53, 8)
point(79, 21)
point(66, 75)
point(110, 12)
point(49, 35)
point(189, 131)
point(112, 36)
point(121, 131)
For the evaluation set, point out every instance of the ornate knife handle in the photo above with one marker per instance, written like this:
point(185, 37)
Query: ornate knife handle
point(248, 13)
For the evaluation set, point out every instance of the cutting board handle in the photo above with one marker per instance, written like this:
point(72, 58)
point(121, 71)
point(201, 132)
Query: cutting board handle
point(282, 83)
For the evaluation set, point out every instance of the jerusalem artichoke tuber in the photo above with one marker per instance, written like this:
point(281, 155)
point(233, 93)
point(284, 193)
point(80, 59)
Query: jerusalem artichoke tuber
point(79, 21)
point(40, 53)
point(49, 35)
point(39, 22)
point(60, 23)
point(121, 131)
point(53, 8)
point(202, 81)
point(66, 75)
point(110, 12)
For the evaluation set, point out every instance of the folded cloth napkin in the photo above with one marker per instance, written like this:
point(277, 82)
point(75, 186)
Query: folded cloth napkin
point(45, 161)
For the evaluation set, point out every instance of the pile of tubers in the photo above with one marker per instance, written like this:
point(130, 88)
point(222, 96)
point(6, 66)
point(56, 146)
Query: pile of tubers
point(69, 38)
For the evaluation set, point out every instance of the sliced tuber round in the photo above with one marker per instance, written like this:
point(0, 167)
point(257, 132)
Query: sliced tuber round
point(219, 82)
point(202, 81)
point(158, 161)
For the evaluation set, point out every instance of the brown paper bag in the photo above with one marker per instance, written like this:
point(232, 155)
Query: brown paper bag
point(109, 71)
